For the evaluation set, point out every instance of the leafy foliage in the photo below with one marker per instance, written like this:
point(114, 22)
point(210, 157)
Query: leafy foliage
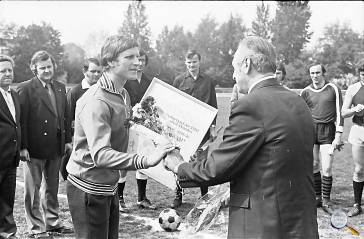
point(340, 48)
point(73, 59)
point(290, 29)
point(229, 35)
point(261, 26)
point(31, 39)
point(171, 46)
point(135, 25)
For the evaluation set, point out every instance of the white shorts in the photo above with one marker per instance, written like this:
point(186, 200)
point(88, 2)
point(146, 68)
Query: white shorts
point(356, 135)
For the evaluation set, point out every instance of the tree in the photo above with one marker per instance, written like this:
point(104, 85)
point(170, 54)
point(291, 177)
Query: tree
point(262, 23)
point(94, 42)
point(290, 29)
point(135, 25)
point(339, 49)
point(229, 35)
point(171, 47)
point(73, 59)
point(205, 41)
point(31, 39)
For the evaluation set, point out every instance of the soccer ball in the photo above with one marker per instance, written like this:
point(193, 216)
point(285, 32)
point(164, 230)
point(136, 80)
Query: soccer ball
point(169, 220)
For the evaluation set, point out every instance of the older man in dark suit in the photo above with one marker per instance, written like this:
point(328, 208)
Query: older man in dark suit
point(9, 146)
point(266, 154)
point(45, 131)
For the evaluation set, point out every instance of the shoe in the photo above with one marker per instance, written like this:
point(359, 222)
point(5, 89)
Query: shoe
point(327, 207)
point(61, 230)
point(146, 204)
point(42, 235)
point(122, 206)
point(177, 201)
point(355, 211)
point(318, 202)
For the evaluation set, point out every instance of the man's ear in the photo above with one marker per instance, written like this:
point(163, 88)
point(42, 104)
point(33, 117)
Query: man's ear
point(247, 65)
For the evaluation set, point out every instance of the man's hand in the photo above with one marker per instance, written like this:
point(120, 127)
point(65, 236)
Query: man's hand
point(337, 143)
point(159, 153)
point(24, 155)
point(173, 160)
point(359, 109)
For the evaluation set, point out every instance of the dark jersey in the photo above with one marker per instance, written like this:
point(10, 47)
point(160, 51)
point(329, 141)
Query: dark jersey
point(325, 104)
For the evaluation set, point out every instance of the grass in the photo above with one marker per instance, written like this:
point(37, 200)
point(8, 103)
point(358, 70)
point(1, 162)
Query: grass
point(143, 223)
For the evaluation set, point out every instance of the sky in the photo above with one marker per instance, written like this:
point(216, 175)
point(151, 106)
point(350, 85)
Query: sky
point(77, 19)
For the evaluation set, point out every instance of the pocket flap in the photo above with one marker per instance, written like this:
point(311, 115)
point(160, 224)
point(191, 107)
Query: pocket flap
point(239, 200)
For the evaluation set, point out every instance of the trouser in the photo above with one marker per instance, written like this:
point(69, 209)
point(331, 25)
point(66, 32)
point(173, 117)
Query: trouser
point(93, 216)
point(7, 196)
point(44, 192)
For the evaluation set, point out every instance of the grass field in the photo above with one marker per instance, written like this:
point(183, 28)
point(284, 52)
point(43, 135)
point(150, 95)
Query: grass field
point(143, 223)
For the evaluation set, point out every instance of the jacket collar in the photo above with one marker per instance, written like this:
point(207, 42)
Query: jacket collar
point(263, 82)
point(106, 84)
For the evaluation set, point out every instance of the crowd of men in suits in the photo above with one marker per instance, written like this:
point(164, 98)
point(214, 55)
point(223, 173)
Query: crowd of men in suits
point(271, 161)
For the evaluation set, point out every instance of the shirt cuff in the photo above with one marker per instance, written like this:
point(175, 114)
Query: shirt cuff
point(339, 129)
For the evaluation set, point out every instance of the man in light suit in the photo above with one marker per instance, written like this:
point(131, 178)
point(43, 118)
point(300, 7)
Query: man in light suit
point(45, 131)
point(9, 147)
point(266, 154)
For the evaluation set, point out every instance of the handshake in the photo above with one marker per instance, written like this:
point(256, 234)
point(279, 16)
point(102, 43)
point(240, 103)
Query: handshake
point(173, 160)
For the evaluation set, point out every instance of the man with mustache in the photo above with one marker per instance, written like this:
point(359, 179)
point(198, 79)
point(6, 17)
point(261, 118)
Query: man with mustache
point(45, 136)
point(9, 145)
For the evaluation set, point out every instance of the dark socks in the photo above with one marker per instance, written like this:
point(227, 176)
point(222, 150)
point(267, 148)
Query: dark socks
point(142, 184)
point(358, 191)
point(317, 184)
point(121, 187)
point(204, 190)
point(326, 187)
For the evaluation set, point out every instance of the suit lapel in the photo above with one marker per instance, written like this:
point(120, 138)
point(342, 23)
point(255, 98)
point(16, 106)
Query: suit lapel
point(42, 92)
point(4, 109)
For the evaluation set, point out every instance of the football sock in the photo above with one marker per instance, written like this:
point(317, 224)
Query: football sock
point(142, 184)
point(204, 190)
point(326, 187)
point(121, 190)
point(358, 191)
point(317, 184)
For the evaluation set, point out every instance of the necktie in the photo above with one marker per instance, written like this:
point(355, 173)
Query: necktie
point(52, 97)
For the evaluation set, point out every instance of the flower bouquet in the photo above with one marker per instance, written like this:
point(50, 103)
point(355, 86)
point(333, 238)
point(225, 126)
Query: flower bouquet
point(147, 128)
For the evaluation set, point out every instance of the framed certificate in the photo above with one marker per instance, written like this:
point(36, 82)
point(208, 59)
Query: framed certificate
point(186, 121)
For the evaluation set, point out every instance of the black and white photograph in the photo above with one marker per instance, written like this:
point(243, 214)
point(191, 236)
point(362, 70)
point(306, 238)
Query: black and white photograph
point(181, 119)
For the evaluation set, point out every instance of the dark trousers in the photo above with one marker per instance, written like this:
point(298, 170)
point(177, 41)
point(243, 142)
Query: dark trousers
point(7, 196)
point(93, 216)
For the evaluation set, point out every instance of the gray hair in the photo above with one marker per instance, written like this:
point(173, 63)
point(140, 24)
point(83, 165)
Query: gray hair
point(264, 56)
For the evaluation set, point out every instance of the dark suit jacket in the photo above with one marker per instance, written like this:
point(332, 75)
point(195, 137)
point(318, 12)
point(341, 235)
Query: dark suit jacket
point(41, 135)
point(10, 132)
point(72, 96)
point(266, 155)
point(137, 90)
